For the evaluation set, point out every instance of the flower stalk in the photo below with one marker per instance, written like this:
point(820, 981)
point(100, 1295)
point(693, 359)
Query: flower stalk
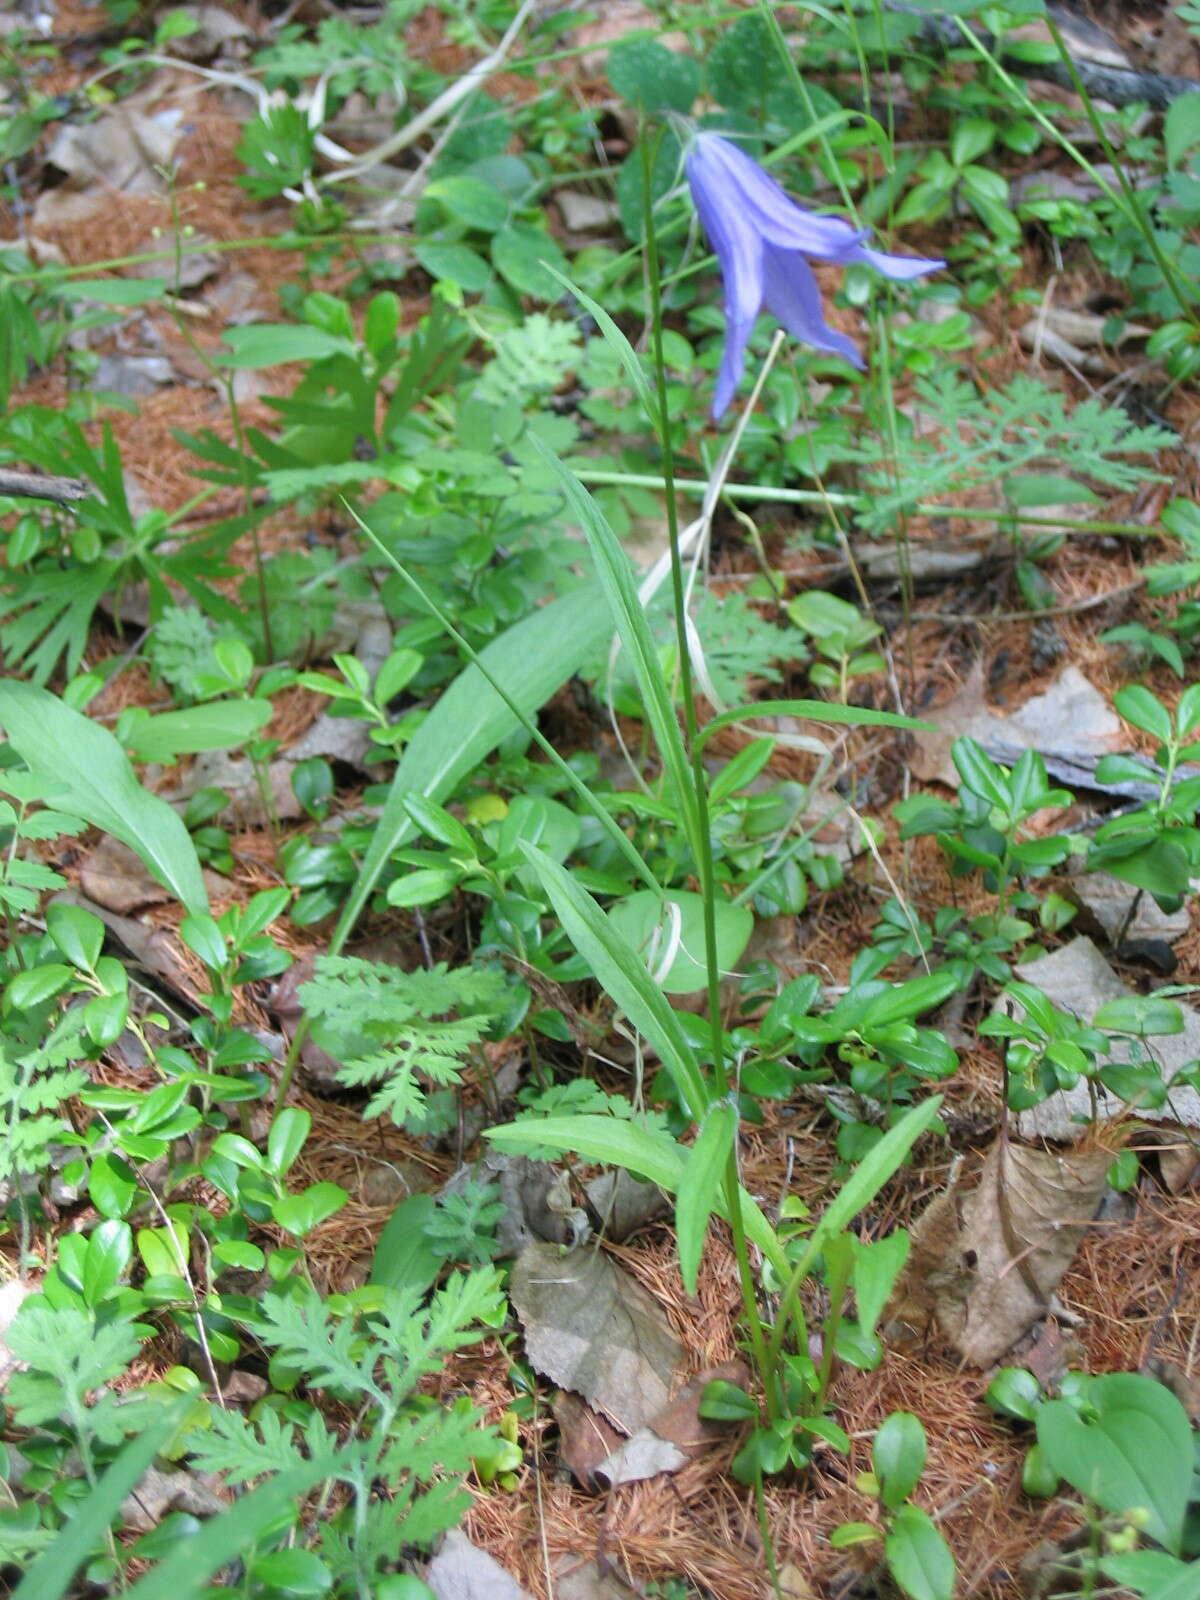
point(704, 865)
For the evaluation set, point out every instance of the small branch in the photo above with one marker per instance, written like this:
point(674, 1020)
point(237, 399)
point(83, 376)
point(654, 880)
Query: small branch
point(40, 486)
point(1070, 609)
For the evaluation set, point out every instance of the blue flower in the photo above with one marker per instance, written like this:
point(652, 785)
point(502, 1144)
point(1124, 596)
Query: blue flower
point(763, 243)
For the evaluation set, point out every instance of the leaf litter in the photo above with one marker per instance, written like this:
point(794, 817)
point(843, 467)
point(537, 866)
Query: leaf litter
point(1050, 1191)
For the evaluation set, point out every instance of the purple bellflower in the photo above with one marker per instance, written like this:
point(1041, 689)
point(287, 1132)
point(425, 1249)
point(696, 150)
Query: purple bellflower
point(763, 243)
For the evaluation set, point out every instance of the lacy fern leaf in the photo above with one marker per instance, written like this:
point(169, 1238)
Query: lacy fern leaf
point(394, 1029)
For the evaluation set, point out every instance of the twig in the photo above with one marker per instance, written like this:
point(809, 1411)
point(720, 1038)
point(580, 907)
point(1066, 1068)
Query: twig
point(41, 486)
point(472, 79)
point(1070, 609)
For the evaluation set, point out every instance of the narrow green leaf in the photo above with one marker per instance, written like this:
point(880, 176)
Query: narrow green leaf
point(620, 585)
point(50, 1575)
point(630, 359)
point(532, 660)
point(865, 1182)
point(700, 1187)
point(647, 1152)
point(224, 1537)
point(816, 711)
point(622, 975)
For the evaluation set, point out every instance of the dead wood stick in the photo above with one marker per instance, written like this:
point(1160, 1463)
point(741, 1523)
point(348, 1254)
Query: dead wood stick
point(41, 486)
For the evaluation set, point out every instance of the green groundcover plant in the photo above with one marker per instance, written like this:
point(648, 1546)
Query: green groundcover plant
point(471, 472)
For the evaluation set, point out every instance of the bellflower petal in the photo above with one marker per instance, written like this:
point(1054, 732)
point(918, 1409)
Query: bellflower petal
point(763, 242)
point(735, 182)
point(791, 295)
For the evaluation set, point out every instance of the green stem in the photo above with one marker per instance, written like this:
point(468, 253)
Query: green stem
point(603, 477)
point(1133, 201)
point(704, 863)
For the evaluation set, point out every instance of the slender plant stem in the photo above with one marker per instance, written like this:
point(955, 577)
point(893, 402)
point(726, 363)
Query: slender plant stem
point(1133, 200)
point(704, 863)
point(1126, 200)
point(767, 493)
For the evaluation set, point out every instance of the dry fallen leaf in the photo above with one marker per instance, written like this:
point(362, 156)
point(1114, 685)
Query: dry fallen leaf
point(643, 1455)
point(984, 1265)
point(114, 876)
point(158, 1493)
point(583, 1580)
point(462, 1571)
point(1078, 980)
point(1071, 718)
point(624, 1204)
point(585, 1439)
point(676, 1435)
point(591, 1327)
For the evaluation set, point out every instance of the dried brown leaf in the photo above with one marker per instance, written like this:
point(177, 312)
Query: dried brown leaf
point(591, 1327)
point(984, 1265)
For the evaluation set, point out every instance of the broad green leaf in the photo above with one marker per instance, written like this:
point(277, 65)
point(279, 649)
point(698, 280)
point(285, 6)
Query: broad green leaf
point(529, 662)
point(1028, 490)
point(649, 77)
point(220, 725)
point(526, 257)
point(898, 1457)
point(293, 1572)
point(1133, 1448)
point(1181, 127)
point(109, 1251)
point(286, 1138)
point(918, 1557)
point(700, 1187)
point(1145, 710)
point(1140, 1014)
point(981, 774)
point(81, 769)
point(267, 344)
point(458, 262)
point(1151, 1572)
point(673, 924)
point(470, 201)
point(404, 1258)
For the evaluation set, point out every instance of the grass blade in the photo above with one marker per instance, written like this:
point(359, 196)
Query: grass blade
point(49, 1575)
point(623, 976)
point(620, 585)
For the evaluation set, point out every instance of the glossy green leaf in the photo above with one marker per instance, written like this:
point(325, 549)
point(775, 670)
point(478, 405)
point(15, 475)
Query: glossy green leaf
point(898, 1457)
